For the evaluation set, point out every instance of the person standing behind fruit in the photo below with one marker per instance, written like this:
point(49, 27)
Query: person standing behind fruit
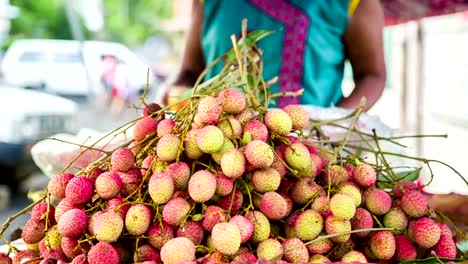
point(308, 50)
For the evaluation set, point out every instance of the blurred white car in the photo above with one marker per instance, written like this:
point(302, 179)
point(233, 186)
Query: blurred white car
point(68, 67)
point(27, 117)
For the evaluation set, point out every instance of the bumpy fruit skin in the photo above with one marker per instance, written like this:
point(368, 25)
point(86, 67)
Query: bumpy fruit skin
point(80, 259)
point(378, 201)
point(445, 247)
point(103, 252)
point(202, 186)
point(354, 256)
point(79, 190)
point(298, 114)
point(24, 254)
point(320, 247)
point(159, 235)
point(212, 215)
point(352, 190)
point(295, 251)
point(297, 156)
point(175, 211)
point(414, 204)
point(146, 253)
point(261, 224)
point(58, 184)
point(71, 249)
point(270, 249)
point(237, 201)
point(122, 159)
point(334, 226)
point(278, 121)
point(54, 253)
point(180, 173)
point(161, 187)
point(365, 175)
point(191, 230)
point(232, 100)
point(317, 258)
point(362, 219)
point(224, 185)
point(259, 154)
point(144, 127)
point(382, 244)
point(233, 163)
point(5, 259)
point(115, 205)
point(63, 206)
point(131, 180)
point(273, 205)
point(53, 237)
point(210, 139)
point(227, 145)
point(226, 238)
point(192, 151)
point(39, 212)
point(245, 226)
point(209, 110)
point(165, 127)
point(33, 231)
point(308, 225)
point(177, 250)
point(108, 185)
point(256, 129)
point(342, 206)
point(335, 174)
point(426, 232)
point(73, 223)
point(405, 250)
point(402, 187)
point(305, 189)
point(267, 180)
point(231, 128)
point(138, 219)
point(396, 218)
point(168, 147)
point(108, 226)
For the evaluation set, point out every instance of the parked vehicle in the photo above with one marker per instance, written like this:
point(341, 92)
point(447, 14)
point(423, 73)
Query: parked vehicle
point(68, 67)
point(28, 116)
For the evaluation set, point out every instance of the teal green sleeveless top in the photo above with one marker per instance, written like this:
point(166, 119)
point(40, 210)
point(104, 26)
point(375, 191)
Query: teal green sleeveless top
point(306, 51)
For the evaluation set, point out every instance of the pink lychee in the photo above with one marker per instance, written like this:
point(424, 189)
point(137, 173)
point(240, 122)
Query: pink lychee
point(144, 127)
point(122, 159)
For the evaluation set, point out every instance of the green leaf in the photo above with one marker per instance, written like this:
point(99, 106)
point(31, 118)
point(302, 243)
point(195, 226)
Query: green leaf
point(463, 246)
point(251, 38)
point(409, 175)
point(431, 260)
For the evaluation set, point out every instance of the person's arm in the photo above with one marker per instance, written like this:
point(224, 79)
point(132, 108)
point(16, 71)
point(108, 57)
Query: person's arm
point(364, 48)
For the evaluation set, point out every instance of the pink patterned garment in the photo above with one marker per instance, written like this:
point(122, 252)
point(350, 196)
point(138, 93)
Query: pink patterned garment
point(296, 23)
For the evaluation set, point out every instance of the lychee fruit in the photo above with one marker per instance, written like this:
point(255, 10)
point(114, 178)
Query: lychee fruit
point(122, 159)
point(79, 190)
point(365, 175)
point(402, 187)
point(426, 232)
point(259, 154)
point(378, 201)
point(273, 205)
point(5, 259)
point(63, 206)
point(245, 225)
point(261, 224)
point(108, 185)
point(232, 100)
point(176, 211)
point(167, 147)
point(23, 255)
point(256, 130)
point(178, 250)
point(295, 251)
point(33, 231)
point(144, 127)
point(137, 219)
point(382, 244)
point(298, 157)
point(445, 247)
point(53, 238)
point(308, 225)
point(226, 238)
point(108, 226)
point(73, 223)
point(232, 202)
point(318, 258)
point(362, 219)
point(270, 249)
point(165, 127)
point(146, 253)
point(161, 187)
point(202, 186)
point(266, 180)
point(414, 204)
point(227, 145)
point(191, 230)
point(233, 163)
point(321, 204)
point(278, 121)
point(58, 184)
point(131, 180)
point(209, 110)
point(335, 226)
point(72, 248)
point(279, 164)
point(320, 247)
point(224, 185)
point(396, 218)
point(298, 114)
point(80, 259)
point(151, 108)
point(117, 205)
point(328, 157)
point(212, 215)
point(158, 234)
point(405, 250)
point(39, 211)
point(342, 206)
point(210, 139)
point(180, 172)
point(335, 174)
point(354, 256)
point(352, 190)
point(103, 252)
point(244, 116)
point(192, 151)
point(55, 254)
point(231, 128)
point(304, 190)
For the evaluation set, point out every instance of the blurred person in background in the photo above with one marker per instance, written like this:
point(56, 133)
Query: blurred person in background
point(308, 50)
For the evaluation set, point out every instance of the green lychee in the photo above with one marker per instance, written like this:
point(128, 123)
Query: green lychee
point(270, 249)
point(382, 244)
point(138, 219)
point(299, 116)
point(278, 121)
point(261, 226)
point(266, 180)
point(233, 163)
point(226, 238)
point(308, 225)
point(168, 147)
point(259, 154)
point(342, 206)
point(210, 139)
point(396, 218)
point(161, 187)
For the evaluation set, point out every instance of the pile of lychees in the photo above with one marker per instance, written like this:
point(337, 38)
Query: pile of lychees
point(230, 183)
